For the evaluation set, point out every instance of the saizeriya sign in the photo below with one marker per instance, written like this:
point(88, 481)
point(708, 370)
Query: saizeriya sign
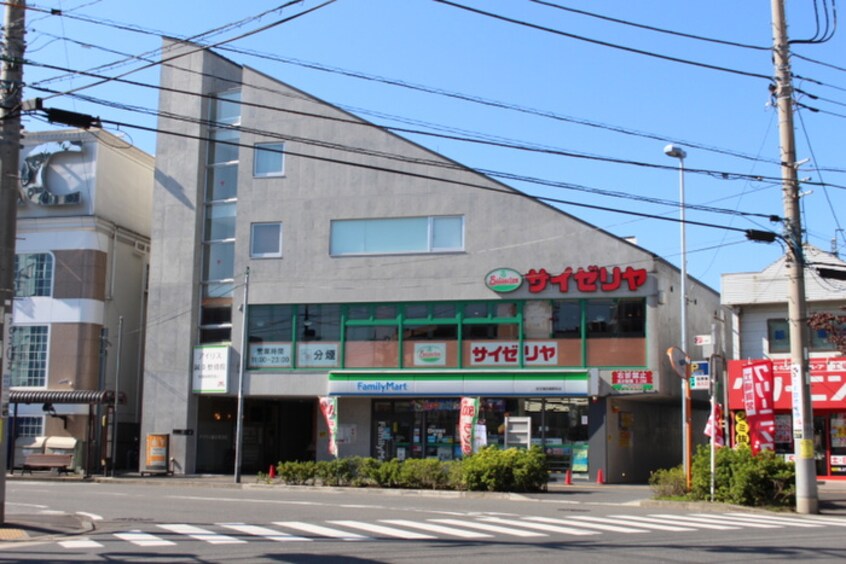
point(591, 279)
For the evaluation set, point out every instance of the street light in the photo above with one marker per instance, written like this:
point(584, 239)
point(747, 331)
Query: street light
point(678, 153)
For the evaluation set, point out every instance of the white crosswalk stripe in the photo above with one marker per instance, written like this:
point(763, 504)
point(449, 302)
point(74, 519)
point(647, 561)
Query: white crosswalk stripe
point(262, 532)
point(201, 534)
point(652, 523)
point(593, 523)
point(540, 526)
point(322, 531)
point(714, 523)
point(140, 538)
point(778, 520)
point(382, 530)
point(80, 543)
point(827, 520)
point(434, 528)
point(490, 528)
point(746, 522)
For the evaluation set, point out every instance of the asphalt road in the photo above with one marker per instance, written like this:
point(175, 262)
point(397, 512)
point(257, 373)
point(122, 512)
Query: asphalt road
point(169, 521)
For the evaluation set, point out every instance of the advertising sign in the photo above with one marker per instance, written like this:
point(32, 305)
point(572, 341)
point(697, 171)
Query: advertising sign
point(318, 355)
point(430, 354)
point(329, 408)
point(632, 381)
point(211, 369)
point(758, 404)
point(468, 417)
point(270, 355)
point(828, 383)
point(506, 353)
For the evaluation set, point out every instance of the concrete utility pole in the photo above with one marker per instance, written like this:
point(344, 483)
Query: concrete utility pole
point(803, 418)
point(11, 87)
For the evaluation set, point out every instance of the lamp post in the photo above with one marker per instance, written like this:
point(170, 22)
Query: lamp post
point(678, 153)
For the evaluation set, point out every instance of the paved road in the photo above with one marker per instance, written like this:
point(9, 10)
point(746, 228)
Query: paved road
point(168, 523)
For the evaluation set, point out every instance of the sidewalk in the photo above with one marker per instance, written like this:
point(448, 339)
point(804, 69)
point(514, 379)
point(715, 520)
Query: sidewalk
point(24, 527)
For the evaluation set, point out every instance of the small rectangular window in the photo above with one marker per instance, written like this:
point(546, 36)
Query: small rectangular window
point(29, 426)
point(778, 335)
point(266, 240)
point(269, 159)
point(29, 355)
point(33, 275)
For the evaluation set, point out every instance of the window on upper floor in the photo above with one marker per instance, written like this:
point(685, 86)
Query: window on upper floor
point(29, 426)
point(29, 355)
point(266, 240)
point(432, 234)
point(269, 159)
point(778, 338)
point(33, 275)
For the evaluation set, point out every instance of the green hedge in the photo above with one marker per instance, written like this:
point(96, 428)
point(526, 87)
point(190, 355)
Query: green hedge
point(762, 480)
point(490, 469)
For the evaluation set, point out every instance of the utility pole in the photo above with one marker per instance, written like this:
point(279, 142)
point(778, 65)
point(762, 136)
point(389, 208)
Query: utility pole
point(11, 92)
point(803, 418)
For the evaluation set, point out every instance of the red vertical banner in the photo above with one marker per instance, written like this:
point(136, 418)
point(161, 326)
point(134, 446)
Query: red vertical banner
point(329, 408)
point(467, 423)
point(714, 427)
point(758, 404)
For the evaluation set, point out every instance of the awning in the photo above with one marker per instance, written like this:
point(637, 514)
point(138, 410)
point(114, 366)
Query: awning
point(66, 396)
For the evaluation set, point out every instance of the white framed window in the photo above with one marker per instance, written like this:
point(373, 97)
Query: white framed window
point(29, 355)
point(33, 275)
point(266, 240)
point(29, 426)
point(269, 159)
point(432, 234)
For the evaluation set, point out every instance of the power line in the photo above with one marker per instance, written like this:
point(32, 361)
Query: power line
point(651, 28)
point(602, 43)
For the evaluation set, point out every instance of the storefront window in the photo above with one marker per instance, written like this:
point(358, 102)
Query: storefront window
point(616, 332)
point(369, 346)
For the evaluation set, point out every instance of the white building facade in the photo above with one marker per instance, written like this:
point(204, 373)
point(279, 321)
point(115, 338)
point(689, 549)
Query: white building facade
point(393, 279)
point(81, 262)
point(758, 307)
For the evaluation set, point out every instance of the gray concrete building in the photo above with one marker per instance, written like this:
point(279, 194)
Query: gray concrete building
point(392, 279)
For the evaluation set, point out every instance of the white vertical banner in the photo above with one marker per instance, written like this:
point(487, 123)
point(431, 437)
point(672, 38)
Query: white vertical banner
point(468, 416)
point(329, 408)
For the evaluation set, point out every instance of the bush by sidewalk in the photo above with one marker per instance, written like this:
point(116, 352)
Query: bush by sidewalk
point(490, 469)
point(740, 478)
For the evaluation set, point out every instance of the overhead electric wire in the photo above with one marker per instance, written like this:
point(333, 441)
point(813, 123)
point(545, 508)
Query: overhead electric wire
point(602, 43)
point(723, 175)
point(204, 48)
point(651, 28)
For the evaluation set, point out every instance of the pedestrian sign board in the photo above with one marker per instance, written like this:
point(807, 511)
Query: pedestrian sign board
point(700, 375)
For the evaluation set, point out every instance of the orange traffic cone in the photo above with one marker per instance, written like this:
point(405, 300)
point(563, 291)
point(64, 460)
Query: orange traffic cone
point(272, 473)
point(568, 478)
point(600, 477)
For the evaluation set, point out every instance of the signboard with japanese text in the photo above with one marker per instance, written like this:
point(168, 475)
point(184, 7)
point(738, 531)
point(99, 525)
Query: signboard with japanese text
point(318, 355)
point(632, 381)
point(270, 355)
point(757, 379)
point(828, 383)
point(211, 369)
point(506, 353)
point(700, 375)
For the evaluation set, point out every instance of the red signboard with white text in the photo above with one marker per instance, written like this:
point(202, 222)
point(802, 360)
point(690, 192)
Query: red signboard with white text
point(757, 384)
point(828, 383)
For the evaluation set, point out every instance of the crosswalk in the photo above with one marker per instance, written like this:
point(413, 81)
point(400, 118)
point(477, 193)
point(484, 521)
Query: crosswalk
point(478, 527)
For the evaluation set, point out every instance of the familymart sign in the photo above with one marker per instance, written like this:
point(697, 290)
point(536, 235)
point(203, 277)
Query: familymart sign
point(455, 383)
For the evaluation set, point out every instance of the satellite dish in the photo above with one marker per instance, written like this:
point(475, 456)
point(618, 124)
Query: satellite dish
point(679, 361)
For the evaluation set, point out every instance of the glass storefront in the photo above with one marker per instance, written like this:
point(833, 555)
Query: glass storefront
point(428, 428)
point(829, 441)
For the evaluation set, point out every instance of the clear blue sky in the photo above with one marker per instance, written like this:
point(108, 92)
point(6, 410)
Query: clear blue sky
point(637, 103)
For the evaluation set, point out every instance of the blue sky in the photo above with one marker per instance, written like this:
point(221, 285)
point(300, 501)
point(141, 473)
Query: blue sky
point(540, 89)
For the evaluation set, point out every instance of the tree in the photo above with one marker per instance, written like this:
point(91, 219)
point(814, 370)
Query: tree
point(834, 325)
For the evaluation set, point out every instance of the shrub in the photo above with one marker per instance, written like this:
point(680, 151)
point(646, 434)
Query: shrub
point(492, 469)
point(668, 482)
point(297, 473)
point(423, 473)
point(740, 478)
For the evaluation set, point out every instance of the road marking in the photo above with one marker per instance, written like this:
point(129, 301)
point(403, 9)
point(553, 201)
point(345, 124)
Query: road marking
point(321, 530)
point(201, 534)
point(651, 523)
point(490, 528)
point(540, 526)
point(143, 539)
point(80, 543)
point(92, 516)
point(827, 520)
point(590, 523)
point(433, 528)
point(748, 522)
point(779, 520)
point(263, 532)
point(701, 522)
point(387, 531)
